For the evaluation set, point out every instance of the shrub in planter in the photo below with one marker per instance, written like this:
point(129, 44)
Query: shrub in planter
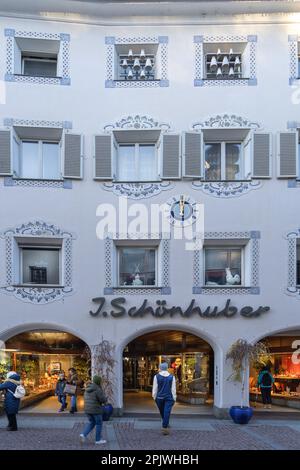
point(241, 353)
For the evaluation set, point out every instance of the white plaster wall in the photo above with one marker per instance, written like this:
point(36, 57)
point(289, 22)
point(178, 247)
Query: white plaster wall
point(273, 209)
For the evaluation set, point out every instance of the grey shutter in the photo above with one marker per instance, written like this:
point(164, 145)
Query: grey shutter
point(287, 147)
point(5, 152)
point(261, 157)
point(171, 156)
point(192, 154)
point(73, 156)
point(103, 157)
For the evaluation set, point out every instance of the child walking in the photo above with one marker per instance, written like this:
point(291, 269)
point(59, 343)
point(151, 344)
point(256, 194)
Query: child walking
point(60, 393)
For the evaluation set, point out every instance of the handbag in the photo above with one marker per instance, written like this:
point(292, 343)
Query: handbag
point(70, 389)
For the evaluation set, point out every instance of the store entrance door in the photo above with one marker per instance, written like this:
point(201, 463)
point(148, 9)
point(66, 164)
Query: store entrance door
point(190, 360)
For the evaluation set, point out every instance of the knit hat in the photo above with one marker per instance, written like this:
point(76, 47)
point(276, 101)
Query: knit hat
point(10, 374)
point(97, 380)
point(163, 366)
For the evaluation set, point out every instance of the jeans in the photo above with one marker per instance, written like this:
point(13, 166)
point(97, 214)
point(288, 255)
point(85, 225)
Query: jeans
point(266, 395)
point(94, 420)
point(12, 421)
point(73, 401)
point(165, 407)
point(62, 399)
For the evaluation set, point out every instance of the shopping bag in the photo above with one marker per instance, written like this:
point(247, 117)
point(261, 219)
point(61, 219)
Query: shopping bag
point(70, 389)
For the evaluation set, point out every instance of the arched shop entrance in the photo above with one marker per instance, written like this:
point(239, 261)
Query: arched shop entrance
point(284, 363)
point(190, 359)
point(38, 356)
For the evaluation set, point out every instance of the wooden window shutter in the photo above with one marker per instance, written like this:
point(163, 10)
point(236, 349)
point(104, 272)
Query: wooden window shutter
point(73, 156)
point(262, 154)
point(5, 152)
point(103, 157)
point(192, 155)
point(171, 164)
point(287, 153)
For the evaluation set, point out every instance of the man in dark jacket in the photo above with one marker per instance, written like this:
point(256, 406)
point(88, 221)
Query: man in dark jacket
point(11, 403)
point(94, 398)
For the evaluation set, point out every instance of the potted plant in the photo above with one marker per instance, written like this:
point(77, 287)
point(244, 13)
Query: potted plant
point(241, 353)
point(104, 365)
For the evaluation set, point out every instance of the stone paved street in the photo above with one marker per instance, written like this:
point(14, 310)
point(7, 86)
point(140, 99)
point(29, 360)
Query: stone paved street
point(46, 433)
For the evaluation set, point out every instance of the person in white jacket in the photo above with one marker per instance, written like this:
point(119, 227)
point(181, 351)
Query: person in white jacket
point(164, 394)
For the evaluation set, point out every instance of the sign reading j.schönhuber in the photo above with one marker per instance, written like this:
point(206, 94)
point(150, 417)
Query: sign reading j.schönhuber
point(162, 310)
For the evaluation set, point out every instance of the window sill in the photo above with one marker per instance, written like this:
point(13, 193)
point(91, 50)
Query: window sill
point(39, 286)
point(137, 182)
point(137, 81)
point(38, 76)
point(137, 290)
point(136, 287)
point(17, 178)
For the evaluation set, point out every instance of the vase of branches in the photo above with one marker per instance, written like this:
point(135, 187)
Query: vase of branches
point(104, 365)
point(241, 353)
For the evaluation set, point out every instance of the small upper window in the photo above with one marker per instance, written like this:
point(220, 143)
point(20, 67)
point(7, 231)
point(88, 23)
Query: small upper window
point(39, 66)
point(37, 57)
point(136, 62)
point(223, 161)
point(224, 61)
point(40, 265)
point(223, 266)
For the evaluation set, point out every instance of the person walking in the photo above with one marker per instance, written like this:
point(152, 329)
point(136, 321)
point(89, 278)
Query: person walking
point(265, 382)
point(60, 391)
point(164, 394)
point(94, 398)
point(73, 380)
point(11, 403)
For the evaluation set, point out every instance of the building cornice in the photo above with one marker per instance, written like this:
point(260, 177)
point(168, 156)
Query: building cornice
point(154, 13)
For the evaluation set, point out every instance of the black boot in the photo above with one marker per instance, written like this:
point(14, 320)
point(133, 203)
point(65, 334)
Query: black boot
point(72, 410)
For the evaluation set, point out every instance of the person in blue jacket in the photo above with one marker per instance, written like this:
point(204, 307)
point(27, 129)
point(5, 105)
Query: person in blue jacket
point(11, 403)
point(265, 382)
point(60, 391)
point(164, 394)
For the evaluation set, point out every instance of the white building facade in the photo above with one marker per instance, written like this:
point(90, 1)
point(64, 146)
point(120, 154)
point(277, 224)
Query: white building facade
point(182, 104)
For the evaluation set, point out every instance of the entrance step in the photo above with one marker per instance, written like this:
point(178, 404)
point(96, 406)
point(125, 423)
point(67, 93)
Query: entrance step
point(153, 416)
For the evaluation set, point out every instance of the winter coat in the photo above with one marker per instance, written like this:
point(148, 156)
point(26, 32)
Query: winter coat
point(73, 380)
point(60, 387)
point(11, 403)
point(261, 379)
point(93, 399)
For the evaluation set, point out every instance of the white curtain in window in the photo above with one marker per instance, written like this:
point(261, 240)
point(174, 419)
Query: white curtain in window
point(147, 162)
point(126, 163)
point(51, 160)
point(30, 160)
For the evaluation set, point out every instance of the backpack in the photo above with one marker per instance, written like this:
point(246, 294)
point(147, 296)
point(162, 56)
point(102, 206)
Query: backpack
point(19, 392)
point(266, 379)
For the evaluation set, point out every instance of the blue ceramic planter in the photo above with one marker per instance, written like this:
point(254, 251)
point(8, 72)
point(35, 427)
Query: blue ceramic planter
point(107, 412)
point(241, 415)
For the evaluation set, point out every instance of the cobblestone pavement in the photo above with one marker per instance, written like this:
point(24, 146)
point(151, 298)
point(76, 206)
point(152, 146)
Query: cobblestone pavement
point(143, 434)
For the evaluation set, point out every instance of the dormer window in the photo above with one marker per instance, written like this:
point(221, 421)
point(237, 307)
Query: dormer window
point(38, 65)
point(136, 62)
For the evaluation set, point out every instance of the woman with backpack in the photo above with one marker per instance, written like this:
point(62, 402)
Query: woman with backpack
point(11, 403)
point(265, 382)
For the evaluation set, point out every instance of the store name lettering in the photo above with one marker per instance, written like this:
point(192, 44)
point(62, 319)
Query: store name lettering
point(162, 310)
